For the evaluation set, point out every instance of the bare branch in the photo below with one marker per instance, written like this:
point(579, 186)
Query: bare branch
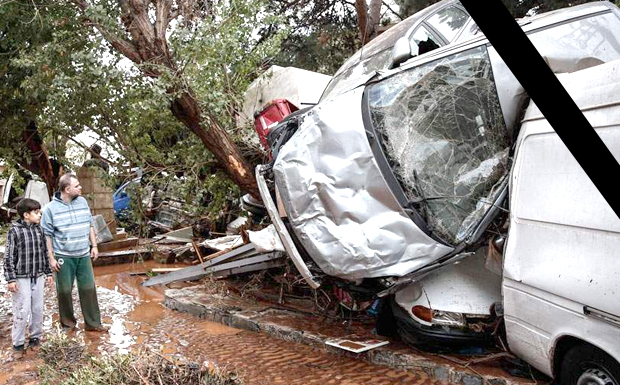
point(393, 11)
point(88, 149)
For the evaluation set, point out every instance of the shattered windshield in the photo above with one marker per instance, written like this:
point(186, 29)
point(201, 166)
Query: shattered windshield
point(346, 80)
point(443, 133)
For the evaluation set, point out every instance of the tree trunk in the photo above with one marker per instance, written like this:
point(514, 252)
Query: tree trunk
point(148, 45)
point(374, 18)
point(217, 140)
point(368, 18)
point(37, 160)
point(362, 19)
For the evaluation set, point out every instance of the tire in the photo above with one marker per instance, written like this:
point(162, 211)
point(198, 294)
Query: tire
point(588, 365)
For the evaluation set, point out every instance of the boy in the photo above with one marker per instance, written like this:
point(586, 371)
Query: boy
point(25, 265)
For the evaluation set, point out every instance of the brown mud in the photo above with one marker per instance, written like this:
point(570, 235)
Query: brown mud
point(138, 320)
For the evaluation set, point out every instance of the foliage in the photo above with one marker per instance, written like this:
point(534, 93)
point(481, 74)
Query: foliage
point(323, 34)
point(4, 230)
point(70, 80)
point(67, 363)
point(409, 7)
point(24, 29)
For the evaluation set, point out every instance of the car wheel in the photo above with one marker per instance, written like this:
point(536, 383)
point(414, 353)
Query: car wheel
point(587, 365)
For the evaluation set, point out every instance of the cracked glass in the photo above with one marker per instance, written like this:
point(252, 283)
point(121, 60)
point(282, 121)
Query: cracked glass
point(441, 128)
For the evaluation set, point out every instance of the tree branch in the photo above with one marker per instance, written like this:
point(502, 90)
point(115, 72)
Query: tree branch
point(162, 11)
point(393, 11)
point(88, 149)
point(122, 45)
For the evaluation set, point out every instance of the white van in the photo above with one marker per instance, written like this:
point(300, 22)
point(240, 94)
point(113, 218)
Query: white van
point(561, 283)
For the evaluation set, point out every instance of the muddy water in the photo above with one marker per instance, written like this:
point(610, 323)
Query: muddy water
point(138, 320)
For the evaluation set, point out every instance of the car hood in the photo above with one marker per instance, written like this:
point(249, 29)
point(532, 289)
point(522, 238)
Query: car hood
point(338, 203)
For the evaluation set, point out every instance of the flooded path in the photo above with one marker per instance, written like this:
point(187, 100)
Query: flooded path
point(138, 320)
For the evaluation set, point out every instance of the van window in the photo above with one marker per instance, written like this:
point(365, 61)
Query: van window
point(448, 22)
point(442, 130)
point(580, 44)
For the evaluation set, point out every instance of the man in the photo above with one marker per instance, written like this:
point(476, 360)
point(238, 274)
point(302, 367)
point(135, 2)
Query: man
point(95, 159)
point(68, 227)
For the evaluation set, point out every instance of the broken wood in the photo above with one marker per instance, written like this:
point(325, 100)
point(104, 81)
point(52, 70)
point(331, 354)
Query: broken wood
point(122, 256)
point(249, 268)
point(160, 270)
point(117, 245)
point(199, 271)
point(197, 250)
point(120, 253)
point(120, 236)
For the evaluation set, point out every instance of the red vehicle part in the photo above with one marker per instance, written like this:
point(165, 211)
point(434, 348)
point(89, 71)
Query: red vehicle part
point(272, 113)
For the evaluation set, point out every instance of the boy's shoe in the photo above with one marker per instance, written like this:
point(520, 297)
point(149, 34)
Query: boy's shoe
point(34, 342)
point(100, 329)
point(18, 352)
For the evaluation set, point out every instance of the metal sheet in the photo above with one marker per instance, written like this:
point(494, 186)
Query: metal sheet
point(340, 206)
point(285, 237)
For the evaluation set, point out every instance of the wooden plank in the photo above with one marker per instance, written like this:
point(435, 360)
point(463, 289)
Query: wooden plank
point(244, 262)
point(195, 272)
point(119, 236)
point(160, 270)
point(186, 233)
point(187, 274)
point(120, 253)
point(250, 268)
point(116, 245)
point(212, 259)
point(122, 256)
point(197, 250)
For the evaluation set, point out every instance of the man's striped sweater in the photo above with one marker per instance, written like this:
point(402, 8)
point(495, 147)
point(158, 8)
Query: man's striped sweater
point(68, 224)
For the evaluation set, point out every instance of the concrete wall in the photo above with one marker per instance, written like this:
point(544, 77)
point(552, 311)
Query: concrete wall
point(98, 195)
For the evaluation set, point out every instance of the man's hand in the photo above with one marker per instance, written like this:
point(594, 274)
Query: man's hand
point(94, 253)
point(54, 265)
point(13, 287)
point(50, 281)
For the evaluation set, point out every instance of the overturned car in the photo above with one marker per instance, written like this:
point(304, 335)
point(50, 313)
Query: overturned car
point(401, 184)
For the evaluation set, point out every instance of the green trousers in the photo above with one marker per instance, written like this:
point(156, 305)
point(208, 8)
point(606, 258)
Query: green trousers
point(80, 269)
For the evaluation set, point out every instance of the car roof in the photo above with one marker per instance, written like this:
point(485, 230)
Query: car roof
point(528, 24)
point(388, 38)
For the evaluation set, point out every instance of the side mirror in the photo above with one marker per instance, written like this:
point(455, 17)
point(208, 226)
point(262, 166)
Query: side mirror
point(402, 51)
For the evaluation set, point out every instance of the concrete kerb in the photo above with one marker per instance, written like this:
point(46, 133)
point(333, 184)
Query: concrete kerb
point(233, 316)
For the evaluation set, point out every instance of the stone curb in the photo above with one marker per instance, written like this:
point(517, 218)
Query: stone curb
point(181, 300)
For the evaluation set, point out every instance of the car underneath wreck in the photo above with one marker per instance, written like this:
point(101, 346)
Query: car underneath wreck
point(399, 187)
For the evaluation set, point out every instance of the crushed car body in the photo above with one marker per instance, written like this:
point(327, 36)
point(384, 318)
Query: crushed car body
point(408, 173)
point(338, 203)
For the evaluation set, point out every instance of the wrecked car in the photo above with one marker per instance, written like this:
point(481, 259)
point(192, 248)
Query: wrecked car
point(401, 184)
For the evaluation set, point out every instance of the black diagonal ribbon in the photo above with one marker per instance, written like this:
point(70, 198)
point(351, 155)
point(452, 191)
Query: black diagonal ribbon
point(549, 95)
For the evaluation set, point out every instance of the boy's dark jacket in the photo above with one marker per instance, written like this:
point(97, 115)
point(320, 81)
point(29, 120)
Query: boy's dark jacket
point(26, 252)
